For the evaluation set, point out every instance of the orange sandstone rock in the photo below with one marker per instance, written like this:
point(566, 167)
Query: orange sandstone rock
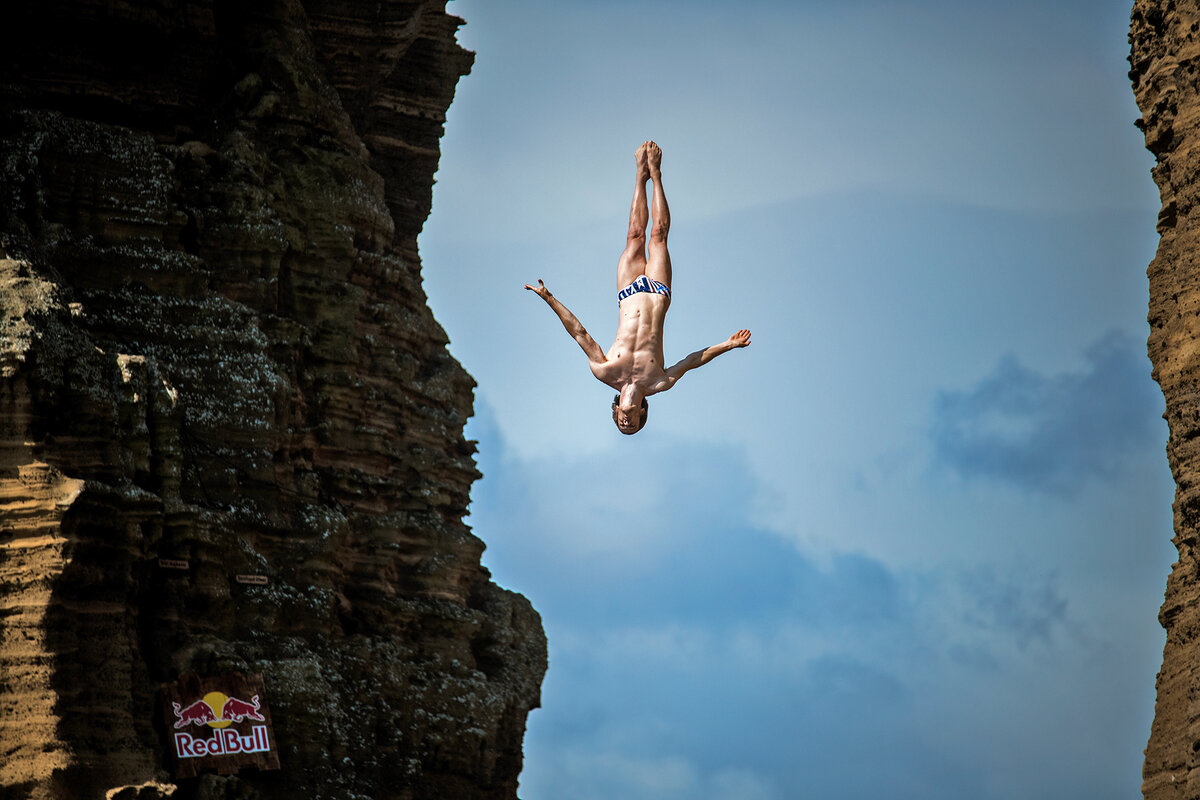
point(1165, 54)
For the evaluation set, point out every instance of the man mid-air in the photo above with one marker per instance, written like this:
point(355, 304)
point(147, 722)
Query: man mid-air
point(634, 364)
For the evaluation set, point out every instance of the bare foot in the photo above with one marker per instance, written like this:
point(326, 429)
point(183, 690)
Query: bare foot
point(641, 158)
point(653, 157)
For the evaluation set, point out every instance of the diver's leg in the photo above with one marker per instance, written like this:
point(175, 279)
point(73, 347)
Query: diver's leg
point(633, 260)
point(658, 268)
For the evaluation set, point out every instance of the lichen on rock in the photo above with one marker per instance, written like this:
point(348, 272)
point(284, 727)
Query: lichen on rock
point(215, 348)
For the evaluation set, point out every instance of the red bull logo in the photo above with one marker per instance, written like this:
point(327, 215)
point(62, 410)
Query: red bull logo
point(218, 723)
point(218, 710)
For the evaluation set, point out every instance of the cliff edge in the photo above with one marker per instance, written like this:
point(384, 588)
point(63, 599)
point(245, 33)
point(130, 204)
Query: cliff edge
point(231, 434)
point(1165, 53)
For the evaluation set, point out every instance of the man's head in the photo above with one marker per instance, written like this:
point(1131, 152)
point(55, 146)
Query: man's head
point(630, 421)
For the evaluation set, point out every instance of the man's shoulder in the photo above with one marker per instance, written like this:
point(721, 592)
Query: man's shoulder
point(604, 369)
point(662, 384)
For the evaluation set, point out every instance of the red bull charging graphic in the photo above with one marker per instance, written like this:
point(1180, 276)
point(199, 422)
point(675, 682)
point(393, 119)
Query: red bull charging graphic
point(205, 712)
point(220, 723)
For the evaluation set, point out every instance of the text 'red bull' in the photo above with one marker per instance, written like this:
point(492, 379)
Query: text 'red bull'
point(225, 742)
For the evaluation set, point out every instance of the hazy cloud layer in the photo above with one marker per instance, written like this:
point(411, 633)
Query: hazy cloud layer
point(692, 652)
point(1051, 433)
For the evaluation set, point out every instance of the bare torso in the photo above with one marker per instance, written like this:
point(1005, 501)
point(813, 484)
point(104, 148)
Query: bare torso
point(634, 365)
point(636, 355)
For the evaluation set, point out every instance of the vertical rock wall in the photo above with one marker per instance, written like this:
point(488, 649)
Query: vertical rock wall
point(215, 347)
point(1165, 60)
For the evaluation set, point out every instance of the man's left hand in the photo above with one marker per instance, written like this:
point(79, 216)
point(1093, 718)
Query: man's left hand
point(740, 339)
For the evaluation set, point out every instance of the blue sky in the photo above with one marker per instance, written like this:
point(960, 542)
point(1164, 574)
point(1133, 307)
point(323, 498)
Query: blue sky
point(911, 543)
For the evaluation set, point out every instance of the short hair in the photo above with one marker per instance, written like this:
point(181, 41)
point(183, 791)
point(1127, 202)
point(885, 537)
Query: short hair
point(645, 414)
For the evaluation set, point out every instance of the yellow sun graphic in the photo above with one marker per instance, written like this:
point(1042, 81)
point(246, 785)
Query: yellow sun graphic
point(216, 701)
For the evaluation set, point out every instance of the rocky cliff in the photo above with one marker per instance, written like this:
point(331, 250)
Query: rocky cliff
point(1165, 57)
point(216, 360)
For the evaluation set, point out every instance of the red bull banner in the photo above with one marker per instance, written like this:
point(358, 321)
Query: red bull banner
point(220, 723)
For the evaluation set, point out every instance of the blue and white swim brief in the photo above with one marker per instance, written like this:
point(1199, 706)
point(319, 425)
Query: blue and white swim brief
point(643, 284)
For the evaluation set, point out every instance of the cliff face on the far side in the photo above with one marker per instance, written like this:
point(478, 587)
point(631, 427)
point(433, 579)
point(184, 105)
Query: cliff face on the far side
point(1165, 60)
point(216, 353)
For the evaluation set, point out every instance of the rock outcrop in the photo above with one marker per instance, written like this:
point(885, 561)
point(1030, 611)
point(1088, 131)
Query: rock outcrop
point(215, 349)
point(1165, 60)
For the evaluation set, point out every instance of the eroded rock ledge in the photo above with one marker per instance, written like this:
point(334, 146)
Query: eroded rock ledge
point(215, 347)
point(1165, 55)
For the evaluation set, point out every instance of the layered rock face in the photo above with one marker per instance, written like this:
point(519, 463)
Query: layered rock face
point(215, 348)
point(1165, 60)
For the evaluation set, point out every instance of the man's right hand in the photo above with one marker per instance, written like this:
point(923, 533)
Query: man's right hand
point(540, 289)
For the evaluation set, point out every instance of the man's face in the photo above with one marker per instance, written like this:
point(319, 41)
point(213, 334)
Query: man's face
point(627, 421)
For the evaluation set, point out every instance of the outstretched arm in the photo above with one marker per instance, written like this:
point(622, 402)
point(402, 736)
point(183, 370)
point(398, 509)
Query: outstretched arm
point(702, 357)
point(570, 322)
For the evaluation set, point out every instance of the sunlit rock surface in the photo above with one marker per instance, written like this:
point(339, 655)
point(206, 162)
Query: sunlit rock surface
point(215, 347)
point(1165, 57)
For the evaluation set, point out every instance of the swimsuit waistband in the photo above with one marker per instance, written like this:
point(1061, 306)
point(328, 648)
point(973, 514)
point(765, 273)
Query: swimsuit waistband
point(643, 284)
